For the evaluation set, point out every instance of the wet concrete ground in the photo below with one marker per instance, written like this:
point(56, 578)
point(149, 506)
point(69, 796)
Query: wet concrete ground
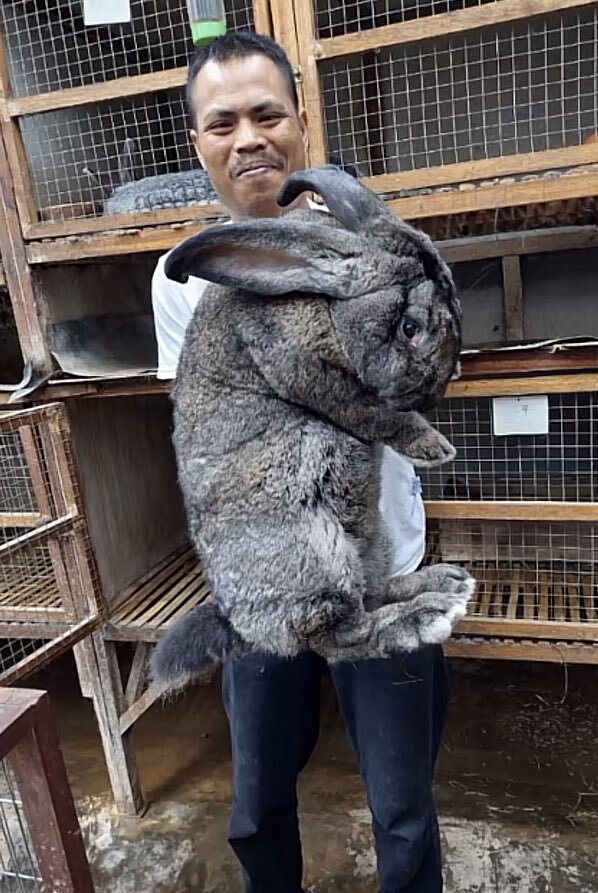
point(517, 789)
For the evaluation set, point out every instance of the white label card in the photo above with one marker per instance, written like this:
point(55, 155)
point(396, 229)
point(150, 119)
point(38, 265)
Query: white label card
point(520, 415)
point(106, 12)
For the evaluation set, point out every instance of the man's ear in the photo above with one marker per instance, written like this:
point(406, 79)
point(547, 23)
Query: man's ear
point(280, 256)
point(194, 137)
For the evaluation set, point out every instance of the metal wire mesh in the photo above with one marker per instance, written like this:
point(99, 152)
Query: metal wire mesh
point(19, 871)
point(520, 87)
point(559, 466)
point(43, 594)
point(334, 19)
point(74, 154)
point(541, 571)
point(67, 53)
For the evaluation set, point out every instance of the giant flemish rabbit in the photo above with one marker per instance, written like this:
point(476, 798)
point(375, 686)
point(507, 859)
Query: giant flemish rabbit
point(322, 338)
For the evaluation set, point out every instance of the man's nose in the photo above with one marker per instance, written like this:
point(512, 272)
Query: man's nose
point(248, 138)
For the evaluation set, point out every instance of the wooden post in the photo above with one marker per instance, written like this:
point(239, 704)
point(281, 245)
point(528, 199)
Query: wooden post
point(513, 297)
point(108, 701)
point(21, 286)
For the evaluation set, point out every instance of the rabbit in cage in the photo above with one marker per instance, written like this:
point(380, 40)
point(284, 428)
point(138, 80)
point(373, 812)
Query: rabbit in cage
point(172, 190)
point(324, 337)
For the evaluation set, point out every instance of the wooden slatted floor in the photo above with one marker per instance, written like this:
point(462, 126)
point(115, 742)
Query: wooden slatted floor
point(143, 611)
point(169, 590)
point(544, 593)
point(29, 594)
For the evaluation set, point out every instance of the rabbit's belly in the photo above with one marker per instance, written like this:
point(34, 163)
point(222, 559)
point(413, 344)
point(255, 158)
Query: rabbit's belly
point(341, 474)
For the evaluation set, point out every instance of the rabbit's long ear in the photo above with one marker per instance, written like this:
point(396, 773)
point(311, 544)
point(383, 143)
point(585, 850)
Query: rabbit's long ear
point(361, 211)
point(280, 256)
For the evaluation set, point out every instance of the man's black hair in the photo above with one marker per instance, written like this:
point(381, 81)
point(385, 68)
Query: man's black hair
point(235, 45)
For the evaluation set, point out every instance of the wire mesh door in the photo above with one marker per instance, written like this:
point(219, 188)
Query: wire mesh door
point(101, 109)
point(520, 511)
point(49, 599)
point(454, 106)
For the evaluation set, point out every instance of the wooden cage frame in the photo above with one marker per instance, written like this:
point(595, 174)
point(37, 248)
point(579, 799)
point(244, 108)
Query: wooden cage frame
point(27, 245)
point(309, 51)
point(13, 108)
point(30, 746)
point(535, 639)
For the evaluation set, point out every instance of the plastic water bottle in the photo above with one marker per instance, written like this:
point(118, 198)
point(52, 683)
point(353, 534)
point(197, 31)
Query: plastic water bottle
point(207, 19)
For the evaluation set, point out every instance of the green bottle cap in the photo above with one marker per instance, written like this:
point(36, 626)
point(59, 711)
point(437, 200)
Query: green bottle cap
point(204, 32)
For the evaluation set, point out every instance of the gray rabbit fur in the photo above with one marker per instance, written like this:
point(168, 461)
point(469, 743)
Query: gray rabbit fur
point(323, 338)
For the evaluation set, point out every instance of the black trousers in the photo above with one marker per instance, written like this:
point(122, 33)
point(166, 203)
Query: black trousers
point(394, 710)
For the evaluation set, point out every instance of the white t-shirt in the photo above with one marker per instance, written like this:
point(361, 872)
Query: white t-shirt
point(401, 504)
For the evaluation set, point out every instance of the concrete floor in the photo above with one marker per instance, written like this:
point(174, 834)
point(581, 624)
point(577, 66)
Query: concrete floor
point(517, 789)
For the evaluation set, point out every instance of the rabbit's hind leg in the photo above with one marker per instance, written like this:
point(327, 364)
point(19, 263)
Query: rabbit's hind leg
point(426, 619)
point(282, 583)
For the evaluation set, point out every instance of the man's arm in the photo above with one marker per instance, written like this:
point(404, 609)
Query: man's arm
point(171, 317)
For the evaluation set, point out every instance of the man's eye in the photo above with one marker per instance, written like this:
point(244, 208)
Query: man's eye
point(220, 125)
point(267, 118)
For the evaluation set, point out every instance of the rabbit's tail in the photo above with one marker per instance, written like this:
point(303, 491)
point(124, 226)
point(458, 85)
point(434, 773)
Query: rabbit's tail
point(193, 647)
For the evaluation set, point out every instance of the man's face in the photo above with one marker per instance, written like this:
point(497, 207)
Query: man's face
point(249, 136)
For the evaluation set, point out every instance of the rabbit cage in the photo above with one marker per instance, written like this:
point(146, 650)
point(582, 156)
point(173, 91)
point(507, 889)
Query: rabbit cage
point(49, 600)
point(476, 120)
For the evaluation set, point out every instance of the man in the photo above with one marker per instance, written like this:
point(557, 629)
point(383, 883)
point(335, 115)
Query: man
point(249, 134)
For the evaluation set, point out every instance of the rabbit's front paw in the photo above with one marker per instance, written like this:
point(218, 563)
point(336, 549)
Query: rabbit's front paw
point(438, 612)
point(430, 449)
point(445, 578)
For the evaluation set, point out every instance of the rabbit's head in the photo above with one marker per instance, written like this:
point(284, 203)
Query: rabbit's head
point(391, 298)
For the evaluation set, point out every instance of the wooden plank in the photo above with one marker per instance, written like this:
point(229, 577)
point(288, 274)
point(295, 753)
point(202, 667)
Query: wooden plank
point(284, 30)
point(529, 362)
point(137, 674)
point(503, 510)
point(118, 750)
point(21, 519)
point(543, 613)
point(91, 94)
point(312, 92)
point(512, 297)
point(514, 593)
point(487, 586)
point(499, 195)
point(109, 244)
point(140, 706)
point(22, 182)
point(37, 536)
point(534, 629)
point(198, 598)
point(538, 241)
point(62, 639)
point(573, 597)
point(107, 223)
point(589, 601)
point(169, 574)
point(485, 168)
point(139, 241)
point(441, 25)
point(24, 295)
point(262, 16)
point(547, 652)
point(503, 387)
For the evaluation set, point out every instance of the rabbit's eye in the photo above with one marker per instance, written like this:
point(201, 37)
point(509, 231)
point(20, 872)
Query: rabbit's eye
point(410, 328)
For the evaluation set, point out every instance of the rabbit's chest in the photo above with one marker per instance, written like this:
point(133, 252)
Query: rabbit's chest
point(338, 473)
